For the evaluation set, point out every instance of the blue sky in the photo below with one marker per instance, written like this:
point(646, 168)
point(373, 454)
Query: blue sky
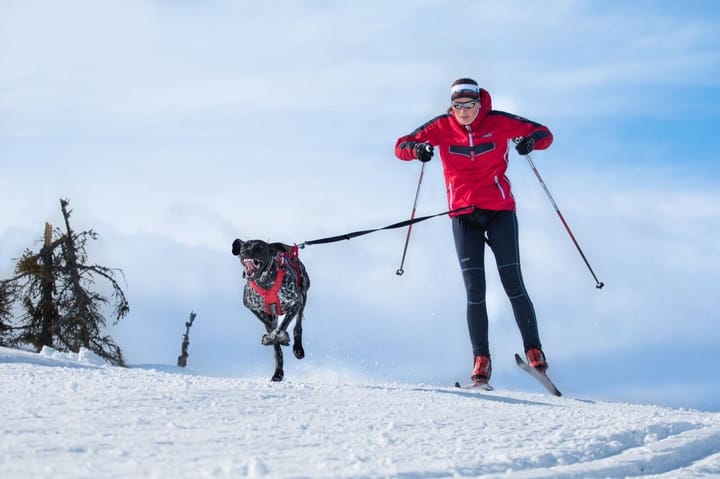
point(174, 127)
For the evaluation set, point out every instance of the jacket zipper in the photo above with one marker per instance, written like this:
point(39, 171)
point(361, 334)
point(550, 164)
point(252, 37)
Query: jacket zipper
point(497, 183)
point(470, 141)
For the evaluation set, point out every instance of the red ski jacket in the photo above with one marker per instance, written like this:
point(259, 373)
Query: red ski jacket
point(475, 157)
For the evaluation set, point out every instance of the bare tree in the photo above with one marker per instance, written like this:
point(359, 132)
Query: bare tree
point(83, 321)
point(60, 308)
point(182, 359)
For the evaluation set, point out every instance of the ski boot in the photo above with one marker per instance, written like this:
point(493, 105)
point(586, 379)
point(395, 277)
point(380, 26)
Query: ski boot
point(536, 359)
point(482, 370)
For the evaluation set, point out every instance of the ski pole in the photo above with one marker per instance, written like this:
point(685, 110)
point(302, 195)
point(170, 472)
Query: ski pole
point(598, 284)
point(400, 270)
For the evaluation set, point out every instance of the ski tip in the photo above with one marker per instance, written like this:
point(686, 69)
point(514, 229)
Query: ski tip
point(518, 359)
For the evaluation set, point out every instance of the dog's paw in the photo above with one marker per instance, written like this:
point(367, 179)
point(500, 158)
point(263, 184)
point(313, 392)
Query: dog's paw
point(276, 337)
point(281, 337)
point(278, 376)
point(298, 351)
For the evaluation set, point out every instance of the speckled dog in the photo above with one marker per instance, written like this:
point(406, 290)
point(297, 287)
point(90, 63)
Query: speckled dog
point(277, 285)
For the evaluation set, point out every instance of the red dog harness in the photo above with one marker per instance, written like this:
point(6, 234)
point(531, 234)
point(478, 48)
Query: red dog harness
point(270, 296)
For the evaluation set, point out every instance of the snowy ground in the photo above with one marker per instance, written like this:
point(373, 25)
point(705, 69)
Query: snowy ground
point(69, 416)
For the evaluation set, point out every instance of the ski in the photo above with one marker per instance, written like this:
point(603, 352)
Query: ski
point(474, 385)
point(542, 378)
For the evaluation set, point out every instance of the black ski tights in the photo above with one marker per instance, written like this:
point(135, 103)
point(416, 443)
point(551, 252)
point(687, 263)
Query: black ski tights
point(502, 236)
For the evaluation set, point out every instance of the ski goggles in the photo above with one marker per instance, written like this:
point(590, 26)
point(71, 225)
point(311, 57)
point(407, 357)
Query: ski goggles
point(466, 105)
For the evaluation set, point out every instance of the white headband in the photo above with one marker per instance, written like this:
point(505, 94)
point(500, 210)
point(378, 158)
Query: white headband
point(464, 86)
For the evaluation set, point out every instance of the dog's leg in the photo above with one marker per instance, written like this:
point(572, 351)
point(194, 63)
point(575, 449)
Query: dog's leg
point(289, 315)
point(279, 373)
point(275, 336)
point(297, 333)
point(271, 335)
point(268, 320)
point(280, 334)
point(270, 323)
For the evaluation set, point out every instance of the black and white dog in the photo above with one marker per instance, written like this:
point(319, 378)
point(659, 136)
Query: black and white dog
point(277, 285)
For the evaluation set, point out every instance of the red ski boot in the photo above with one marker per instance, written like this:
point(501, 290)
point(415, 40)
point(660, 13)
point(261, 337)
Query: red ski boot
point(482, 371)
point(536, 359)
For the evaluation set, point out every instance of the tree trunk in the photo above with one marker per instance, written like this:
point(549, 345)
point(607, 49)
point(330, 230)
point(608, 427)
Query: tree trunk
point(83, 334)
point(47, 290)
point(182, 359)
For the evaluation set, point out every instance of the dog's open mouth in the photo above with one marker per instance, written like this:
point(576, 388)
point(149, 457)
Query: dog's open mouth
point(251, 267)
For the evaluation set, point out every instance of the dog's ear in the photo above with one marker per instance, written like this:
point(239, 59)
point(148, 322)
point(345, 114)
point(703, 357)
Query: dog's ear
point(276, 248)
point(237, 244)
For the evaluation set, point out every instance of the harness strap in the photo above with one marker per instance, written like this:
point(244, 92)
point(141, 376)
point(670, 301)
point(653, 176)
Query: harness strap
point(293, 259)
point(270, 296)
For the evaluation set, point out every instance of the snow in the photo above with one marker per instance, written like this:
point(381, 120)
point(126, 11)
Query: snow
point(71, 416)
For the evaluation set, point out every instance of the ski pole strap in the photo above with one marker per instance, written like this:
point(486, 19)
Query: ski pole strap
point(355, 234)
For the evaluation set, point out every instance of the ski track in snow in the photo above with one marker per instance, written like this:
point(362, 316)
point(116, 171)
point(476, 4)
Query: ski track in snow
point(72, 417)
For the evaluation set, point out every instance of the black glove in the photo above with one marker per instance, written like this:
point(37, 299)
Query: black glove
point(525, 146)
point(423, 151)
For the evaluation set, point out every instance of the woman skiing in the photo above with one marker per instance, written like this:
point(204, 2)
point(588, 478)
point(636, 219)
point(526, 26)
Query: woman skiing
point(473, 141)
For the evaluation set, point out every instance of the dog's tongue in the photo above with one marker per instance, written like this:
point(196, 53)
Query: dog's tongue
point(249, 266)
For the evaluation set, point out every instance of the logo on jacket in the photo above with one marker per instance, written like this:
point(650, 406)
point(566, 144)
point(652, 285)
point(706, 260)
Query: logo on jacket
point(472, 151)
